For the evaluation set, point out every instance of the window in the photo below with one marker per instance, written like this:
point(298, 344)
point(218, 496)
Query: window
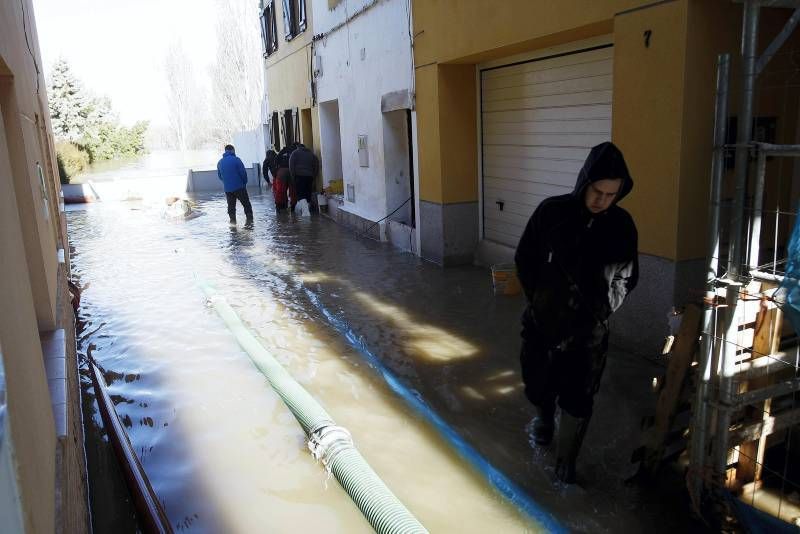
point(290, 127)
point(276, 131)
point(294, 18)
point(269, 28)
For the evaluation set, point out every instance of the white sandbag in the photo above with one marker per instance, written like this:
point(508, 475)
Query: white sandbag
point(302, 208)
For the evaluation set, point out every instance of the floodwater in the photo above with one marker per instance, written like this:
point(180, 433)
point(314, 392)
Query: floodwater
point(222, 451)
point(150, 165)
point(360, 325)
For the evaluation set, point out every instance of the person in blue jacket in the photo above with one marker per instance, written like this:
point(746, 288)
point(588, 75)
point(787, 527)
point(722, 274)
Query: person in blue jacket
point(231, 171)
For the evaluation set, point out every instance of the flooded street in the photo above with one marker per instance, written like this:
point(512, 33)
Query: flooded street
point(222, 451)
point(152, 164)
point(417, 362)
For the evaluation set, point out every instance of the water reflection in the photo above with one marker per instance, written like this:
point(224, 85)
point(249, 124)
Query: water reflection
point(223, 446)
point(220, 446)
point(153, 164)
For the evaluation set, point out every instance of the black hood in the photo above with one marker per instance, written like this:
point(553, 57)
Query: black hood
point(603, 162)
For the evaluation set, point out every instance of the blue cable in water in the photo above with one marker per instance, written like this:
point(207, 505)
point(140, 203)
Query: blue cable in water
point(500, 481)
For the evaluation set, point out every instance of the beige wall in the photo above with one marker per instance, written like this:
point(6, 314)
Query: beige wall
point(287, 81)
point(21, 114)
point(288, 69)
point(288, 77)
point(30, 231)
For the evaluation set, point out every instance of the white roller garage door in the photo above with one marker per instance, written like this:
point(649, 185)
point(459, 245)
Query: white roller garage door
point(539, 120)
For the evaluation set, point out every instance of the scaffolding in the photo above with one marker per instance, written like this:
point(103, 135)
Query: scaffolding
point(747, 372)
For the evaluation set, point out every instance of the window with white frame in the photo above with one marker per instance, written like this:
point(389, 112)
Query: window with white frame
point(294, 18)
point(269, 28)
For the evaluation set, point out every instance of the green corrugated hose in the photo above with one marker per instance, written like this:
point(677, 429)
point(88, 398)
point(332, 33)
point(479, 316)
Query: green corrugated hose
point(329, 443)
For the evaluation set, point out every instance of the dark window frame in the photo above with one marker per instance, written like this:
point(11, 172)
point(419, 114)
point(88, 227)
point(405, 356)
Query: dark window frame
point(275, 134)
point(269, 28)
point(295, 18)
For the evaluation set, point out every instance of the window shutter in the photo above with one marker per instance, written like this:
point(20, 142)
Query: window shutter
point(287, 19)
point(276, 132)
point(264, 33)
point(274, 19)
point(296, 125)
point(301, 15)
point(272, 27)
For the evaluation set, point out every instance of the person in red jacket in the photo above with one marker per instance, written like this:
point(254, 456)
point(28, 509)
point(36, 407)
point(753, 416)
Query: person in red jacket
point(281, 179)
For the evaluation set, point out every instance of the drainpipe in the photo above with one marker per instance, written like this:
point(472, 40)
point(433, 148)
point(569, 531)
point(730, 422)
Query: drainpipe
point(700, 422)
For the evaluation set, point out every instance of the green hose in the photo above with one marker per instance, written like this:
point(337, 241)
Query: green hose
point(328, 442)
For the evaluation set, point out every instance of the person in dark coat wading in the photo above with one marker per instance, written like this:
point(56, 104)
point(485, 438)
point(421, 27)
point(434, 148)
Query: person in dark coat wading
point(303, 166)
point(233, 175)
point(577, 260)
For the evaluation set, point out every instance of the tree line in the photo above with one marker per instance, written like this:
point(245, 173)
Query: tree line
point(84, 125)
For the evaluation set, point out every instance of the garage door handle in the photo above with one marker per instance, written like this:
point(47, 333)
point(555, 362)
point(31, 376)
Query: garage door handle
point(500, 204)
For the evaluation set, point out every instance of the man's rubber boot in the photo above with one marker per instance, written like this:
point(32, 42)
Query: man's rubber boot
point(232, 222)
point(544, 425)
point(248, 223)
point(571, 431)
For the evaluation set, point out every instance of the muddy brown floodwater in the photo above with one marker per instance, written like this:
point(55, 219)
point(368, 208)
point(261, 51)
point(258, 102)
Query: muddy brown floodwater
point(342, 314)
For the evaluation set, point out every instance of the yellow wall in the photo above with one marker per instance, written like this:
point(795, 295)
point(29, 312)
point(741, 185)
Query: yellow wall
point(458, 109)
point(427, 108)
point(712, 28)
point(288, 69)
point(446, 103)
point(288, 77)
point(663, 104)
point(28, 263)
point(647, 122)
point(447, 49)
point(315, 136)
point(475, 30)
point(287, 81)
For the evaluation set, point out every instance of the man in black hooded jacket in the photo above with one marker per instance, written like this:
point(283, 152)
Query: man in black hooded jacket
point(577, 261)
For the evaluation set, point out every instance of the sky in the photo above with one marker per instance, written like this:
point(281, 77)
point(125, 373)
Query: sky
point(117, 47)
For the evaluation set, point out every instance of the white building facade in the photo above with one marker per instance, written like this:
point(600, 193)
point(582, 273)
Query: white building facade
point(363, 74)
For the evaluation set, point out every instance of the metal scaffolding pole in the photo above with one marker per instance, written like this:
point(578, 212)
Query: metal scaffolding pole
point(750, 20)
point(700, 417)
point(758, 208)
point(727, 370)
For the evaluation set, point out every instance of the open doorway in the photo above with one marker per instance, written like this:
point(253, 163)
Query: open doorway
point(330, 142)
point(306, 129)
point(289, 126)
point(398, 166)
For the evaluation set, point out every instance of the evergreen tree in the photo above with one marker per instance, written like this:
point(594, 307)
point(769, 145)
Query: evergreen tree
point(70, 106)
point(87, 122)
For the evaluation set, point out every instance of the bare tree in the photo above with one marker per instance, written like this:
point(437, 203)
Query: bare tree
point(237, 82)
point(185, 98)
